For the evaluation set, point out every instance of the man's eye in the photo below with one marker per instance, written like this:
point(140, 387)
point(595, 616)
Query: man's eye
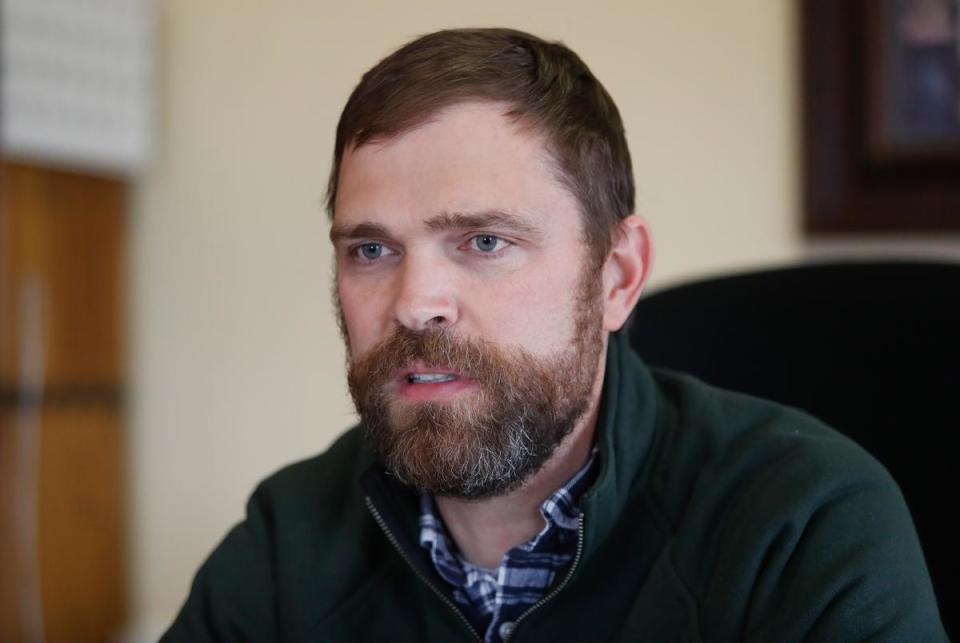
point(370, 251)
point(488, 243)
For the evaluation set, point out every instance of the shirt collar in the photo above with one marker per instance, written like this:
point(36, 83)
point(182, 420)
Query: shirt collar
point(559, 511)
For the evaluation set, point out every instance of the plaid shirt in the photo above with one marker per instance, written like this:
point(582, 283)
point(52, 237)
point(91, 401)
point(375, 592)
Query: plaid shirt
point(494, 598)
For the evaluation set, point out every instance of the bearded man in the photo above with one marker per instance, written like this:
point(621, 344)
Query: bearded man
point(518, 472)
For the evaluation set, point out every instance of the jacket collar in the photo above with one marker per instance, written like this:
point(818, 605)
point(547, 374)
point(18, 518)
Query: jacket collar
point(625, 432)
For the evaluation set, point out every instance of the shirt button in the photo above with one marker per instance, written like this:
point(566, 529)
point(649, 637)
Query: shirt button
point(506, 629)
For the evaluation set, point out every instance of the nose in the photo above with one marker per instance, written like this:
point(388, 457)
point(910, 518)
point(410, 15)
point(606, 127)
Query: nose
point(426, 295)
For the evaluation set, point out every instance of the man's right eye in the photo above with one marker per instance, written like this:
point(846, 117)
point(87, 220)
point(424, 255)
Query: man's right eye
point(370, 251)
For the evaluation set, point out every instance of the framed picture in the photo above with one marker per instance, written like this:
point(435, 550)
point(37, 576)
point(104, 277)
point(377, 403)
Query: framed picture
point(913, 64)
point(881, 121)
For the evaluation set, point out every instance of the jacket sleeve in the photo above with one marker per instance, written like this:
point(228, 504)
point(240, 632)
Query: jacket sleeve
point(850, 569)
point(232, 596)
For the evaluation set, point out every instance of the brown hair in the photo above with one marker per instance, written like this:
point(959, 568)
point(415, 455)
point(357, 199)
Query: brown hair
point(545, 85)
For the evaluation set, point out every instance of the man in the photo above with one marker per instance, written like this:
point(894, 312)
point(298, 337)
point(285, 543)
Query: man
point(518, 473)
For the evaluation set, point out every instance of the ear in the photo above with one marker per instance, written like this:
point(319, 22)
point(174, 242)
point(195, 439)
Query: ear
point(626, 270)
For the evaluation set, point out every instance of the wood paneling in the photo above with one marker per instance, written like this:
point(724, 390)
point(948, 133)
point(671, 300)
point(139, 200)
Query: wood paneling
point(72, 466)
point(20, 608)
point(82, 544)
point(63, 234)
point(62, 439)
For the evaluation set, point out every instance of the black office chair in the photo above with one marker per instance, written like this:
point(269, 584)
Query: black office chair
point(873, 349)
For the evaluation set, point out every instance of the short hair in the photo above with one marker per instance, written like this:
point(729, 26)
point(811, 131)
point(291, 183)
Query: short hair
point(544, 85)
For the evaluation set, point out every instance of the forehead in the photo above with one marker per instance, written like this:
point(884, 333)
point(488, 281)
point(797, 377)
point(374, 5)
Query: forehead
point(469, 157)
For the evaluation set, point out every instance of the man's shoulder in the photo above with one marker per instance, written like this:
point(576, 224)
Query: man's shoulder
point(734, 430)
point(724, 453)
point(306, 548)
point(758, 494)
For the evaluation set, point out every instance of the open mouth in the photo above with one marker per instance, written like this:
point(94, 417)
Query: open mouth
point(430, 378)
point(420, 382)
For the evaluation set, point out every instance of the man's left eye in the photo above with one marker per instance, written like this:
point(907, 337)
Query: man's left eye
point(488, 243)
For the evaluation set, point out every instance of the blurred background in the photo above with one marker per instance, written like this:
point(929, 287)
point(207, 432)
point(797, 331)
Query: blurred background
point(166, 325)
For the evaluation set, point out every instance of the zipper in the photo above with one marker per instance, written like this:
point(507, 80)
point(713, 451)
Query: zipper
point(443, 597)
point(556, 590)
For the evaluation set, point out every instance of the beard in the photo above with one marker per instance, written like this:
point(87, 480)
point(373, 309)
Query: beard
point(487, 441)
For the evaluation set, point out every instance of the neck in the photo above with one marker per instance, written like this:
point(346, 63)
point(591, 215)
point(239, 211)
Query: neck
point(485, 530)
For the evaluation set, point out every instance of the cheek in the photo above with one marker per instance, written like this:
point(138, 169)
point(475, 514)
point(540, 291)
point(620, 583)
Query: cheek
point(529, 309)
point(360, 317)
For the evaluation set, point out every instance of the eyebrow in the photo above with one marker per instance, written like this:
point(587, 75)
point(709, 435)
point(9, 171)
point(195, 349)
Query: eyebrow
point(359, 231)
point(440, 223)
point(486, 219)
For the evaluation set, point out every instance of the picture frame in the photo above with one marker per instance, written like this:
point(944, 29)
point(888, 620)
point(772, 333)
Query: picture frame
point(874, 159)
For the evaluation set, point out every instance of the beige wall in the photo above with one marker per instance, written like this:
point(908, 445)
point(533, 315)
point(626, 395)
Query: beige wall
point(238, 367)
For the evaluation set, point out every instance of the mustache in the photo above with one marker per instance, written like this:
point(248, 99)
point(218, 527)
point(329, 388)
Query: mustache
point(436, 348)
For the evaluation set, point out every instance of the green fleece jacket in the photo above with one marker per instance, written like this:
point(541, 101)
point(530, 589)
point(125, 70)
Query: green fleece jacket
point(715, 516)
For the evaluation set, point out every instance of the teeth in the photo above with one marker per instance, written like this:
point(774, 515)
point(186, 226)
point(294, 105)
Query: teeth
point(430, 378)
